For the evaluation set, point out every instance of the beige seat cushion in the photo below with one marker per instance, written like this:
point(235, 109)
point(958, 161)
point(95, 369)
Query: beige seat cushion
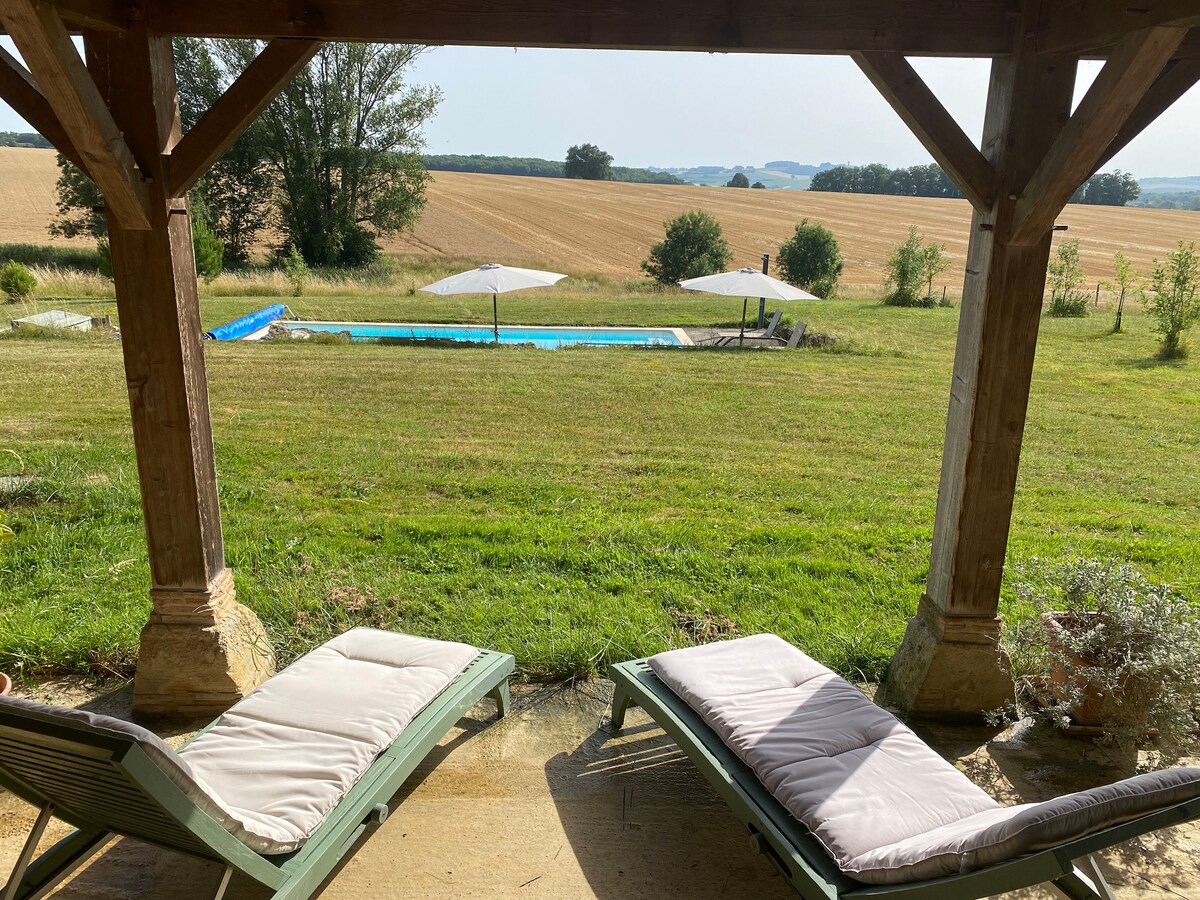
point(885, 806)
point(279, 761)
point(272, 768)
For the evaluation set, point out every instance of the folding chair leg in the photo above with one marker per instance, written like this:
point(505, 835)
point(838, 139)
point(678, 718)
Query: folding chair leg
point(26, 855)
point(1086, 882)
point(500, 694)
point(44, 874)
point(224, 882)
point(620, 705)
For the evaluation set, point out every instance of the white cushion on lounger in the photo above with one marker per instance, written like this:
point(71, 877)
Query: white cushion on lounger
point(279, 761)
point(273, 767)
point(885, 806)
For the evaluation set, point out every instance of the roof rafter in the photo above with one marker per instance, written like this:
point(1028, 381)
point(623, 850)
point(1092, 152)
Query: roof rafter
point(928, 119)
point(67, 86)
point(1086, 26)
point(1126, 78)
point(21, 92)
point(235, 110)
point(1176, 79)
point(915, 27)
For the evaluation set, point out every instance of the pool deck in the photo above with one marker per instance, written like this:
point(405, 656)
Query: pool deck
point(548, 804)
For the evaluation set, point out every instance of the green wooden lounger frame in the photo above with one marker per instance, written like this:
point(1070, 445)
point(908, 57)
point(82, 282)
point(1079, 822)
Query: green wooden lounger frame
point(109, 786)
point(801, 859)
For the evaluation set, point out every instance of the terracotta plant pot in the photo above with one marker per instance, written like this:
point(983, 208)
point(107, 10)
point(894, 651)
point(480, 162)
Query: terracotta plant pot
point(1094, 708)
point(5, 684)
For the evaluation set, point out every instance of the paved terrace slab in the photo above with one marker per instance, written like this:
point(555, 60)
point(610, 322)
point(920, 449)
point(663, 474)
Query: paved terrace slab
point(548, 804)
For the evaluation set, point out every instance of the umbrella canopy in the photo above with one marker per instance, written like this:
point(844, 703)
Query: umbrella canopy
point(493, 278)
point(746, 283)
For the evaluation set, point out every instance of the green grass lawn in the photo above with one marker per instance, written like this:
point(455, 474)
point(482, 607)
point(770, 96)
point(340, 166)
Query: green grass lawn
point(584, 505)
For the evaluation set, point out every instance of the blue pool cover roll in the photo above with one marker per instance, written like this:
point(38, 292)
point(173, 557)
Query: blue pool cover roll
point(239, 328)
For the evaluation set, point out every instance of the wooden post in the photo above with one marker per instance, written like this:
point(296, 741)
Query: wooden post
point(201, 650)
point(950, 664)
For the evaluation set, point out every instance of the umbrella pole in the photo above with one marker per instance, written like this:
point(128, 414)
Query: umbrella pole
point(495, 320)
point(742, 334)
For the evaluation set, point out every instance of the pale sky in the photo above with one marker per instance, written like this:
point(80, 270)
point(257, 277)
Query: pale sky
point(689, 109)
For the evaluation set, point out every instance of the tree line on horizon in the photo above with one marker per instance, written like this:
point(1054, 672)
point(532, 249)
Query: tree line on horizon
point(535, 167)
point(1115, 188)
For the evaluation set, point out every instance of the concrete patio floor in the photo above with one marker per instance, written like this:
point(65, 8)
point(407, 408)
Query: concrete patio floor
point(548, 804)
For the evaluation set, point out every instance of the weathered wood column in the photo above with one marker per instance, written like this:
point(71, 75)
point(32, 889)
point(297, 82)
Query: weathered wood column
point(201, 650)
point(950, 662)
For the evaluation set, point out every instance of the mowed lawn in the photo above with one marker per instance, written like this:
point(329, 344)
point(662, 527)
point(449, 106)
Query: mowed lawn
point(585, 505)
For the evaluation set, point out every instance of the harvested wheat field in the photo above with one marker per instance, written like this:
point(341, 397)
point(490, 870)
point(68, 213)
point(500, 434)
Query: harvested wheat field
point(607, 228)
point(592, 226)
point(27, 180)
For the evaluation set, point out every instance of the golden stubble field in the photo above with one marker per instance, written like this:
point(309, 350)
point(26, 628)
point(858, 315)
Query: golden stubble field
point(607, 228)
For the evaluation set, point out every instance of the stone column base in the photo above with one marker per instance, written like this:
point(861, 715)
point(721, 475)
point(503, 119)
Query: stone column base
point(948, 667)
point(200, 653)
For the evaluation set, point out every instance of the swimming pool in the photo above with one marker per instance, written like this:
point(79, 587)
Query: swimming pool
point(548, 337)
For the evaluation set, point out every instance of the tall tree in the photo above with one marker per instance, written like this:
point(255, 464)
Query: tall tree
point(1115, 188)
point(236, 192)
point(588, 161)
point(344, 139)
point(233, 199)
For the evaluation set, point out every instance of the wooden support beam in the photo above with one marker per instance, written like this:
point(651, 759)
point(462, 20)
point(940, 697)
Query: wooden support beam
point(19, 91)
point(1084, 27)
point(42, 38)
point(906, 92)
point(1110, 101)
point(98, 15)
point(950, 664)
point(235, 110)
point(201, 650)
point(1179, 77)
point(915, 27)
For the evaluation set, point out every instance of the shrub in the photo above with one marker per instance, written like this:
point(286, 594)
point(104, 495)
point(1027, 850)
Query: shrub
point(811, 258)
point(104, 257)
point(359, 249)
point(296, 270)
point(694, 246)
point(906, 273)
point(1125, 281)
point(933, 263)
point(1108, 642)
point(1065, 278)
point(1174, 298)
point(209, 250)
point(16, 281)
point(738, 180)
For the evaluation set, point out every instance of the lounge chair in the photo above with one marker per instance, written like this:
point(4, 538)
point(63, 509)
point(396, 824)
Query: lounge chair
point(798, 332)
point(848, 802)
point(278, 788)
point(727, 338)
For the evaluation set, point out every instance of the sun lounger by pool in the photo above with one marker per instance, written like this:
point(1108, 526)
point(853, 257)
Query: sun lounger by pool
point(849, 802)
point(727, 338)
point(278, 788)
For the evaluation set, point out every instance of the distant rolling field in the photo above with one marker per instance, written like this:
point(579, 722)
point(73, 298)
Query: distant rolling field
point(607, 228)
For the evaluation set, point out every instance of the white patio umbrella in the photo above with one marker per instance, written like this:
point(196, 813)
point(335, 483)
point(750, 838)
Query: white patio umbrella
point(493, 279)
point(746, 283)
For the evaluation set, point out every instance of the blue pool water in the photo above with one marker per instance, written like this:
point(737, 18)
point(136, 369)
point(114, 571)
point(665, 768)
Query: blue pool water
point(546, 337)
